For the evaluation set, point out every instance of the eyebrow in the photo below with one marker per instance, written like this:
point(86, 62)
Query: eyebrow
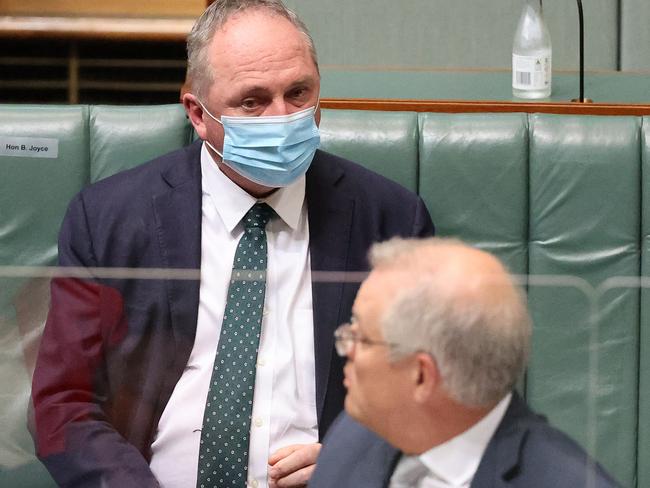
point(260, 89)
point(306, 80)
point(253, 90)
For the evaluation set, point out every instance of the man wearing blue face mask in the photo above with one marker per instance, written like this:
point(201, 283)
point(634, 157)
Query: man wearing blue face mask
point(231, 380)
point(273, 151)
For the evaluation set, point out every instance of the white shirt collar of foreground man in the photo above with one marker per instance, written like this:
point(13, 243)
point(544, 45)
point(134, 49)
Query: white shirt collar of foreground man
point(453, 463)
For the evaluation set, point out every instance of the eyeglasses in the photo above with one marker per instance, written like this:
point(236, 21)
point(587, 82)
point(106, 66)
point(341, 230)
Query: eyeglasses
point(345, 338)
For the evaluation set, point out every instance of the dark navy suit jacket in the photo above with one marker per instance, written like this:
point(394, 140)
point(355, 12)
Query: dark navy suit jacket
point(525, 452)
point(113, 349)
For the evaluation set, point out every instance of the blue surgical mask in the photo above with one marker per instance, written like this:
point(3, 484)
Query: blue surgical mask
point(273, 151)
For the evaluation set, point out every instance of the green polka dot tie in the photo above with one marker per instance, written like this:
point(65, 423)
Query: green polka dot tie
point(223, 454)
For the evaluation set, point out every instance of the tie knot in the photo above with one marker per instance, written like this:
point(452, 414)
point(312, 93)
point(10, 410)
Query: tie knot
point(258, 216)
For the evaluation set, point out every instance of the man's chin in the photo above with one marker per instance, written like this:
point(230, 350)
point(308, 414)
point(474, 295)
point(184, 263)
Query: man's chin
point(351, 409)
point(252, 188)
point(357, 414)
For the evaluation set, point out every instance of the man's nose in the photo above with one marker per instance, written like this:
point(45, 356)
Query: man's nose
point(278, 107)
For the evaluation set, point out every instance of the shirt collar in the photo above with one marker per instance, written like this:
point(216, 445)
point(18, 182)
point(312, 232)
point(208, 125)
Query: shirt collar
point(444, 460)
point(232, 202)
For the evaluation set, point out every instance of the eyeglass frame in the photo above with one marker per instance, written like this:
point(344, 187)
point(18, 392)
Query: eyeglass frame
point(345, 340)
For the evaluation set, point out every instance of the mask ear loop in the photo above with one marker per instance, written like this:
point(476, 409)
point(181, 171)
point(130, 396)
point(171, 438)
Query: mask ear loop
point(208, 143)
point(208, 112)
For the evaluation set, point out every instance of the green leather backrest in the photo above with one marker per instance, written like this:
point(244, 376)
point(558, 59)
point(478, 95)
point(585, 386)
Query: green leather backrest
point(474, 179)
point(475, 194)
point(385, 142)
point(585, 203)
point(555, 195)
point(143, 134)
point(35, 191)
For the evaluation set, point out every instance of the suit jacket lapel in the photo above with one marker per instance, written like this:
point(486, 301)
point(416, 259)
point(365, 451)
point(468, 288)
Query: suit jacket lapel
point(178, 217)
point(503, 454)
point(330, 222)
point(377, 467)
point(391, 468)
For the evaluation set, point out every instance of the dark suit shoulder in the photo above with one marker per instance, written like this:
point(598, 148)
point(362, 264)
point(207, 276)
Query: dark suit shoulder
point(354, 175)
point(114, 221)
point(530, 452)
point(353, 456)
point(147, 178)
point(384, 207)
point(549, 454)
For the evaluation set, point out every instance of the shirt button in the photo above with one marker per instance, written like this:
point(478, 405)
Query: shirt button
point(258, 422)
point(255, 483)
point(261, 362)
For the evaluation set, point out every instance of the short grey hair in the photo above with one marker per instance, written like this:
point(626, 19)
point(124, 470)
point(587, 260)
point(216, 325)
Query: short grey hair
point(480, 346)
point(215, 16)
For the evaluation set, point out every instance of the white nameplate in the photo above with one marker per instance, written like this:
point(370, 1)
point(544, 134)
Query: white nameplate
point(29, 147)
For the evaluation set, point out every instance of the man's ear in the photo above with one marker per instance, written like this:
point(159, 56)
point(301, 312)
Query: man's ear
point(194, 112)
point(427, 380)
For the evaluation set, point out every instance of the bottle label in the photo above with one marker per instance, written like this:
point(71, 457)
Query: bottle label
point(531, 72)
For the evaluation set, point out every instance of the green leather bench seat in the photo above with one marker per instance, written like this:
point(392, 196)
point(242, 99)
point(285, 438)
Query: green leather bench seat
point(34, 193)
point(560, 198)
point(585, 197)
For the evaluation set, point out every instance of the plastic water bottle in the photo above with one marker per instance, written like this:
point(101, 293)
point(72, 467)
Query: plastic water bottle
point(531, 54)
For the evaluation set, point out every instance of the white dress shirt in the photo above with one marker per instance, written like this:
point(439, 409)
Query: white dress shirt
point(284, 401)
point(452, 464)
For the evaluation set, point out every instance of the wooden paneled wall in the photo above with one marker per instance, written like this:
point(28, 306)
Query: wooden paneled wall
point(125, 8)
